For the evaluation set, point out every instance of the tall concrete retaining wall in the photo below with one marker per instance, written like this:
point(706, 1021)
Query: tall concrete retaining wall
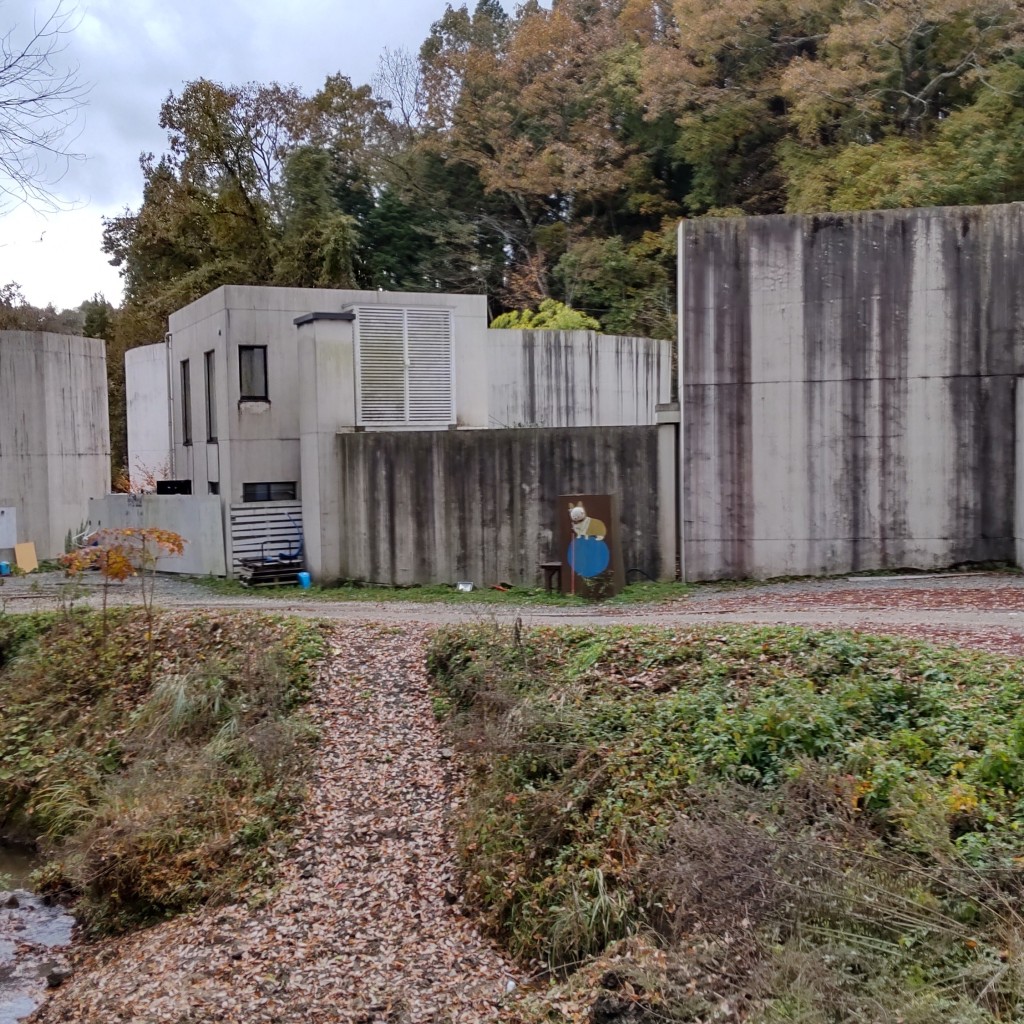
point(430, 507)
point(54, 433)
point(1019, 478)
point(848, 390)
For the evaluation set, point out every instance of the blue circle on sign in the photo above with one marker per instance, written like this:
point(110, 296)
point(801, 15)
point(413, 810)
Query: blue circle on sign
point(588, 556)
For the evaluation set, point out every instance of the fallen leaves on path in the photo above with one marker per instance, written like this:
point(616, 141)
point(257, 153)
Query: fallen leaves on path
point(911, 597)
point(366, 925)
point(988, 638)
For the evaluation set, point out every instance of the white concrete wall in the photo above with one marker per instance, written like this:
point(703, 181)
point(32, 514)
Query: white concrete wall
point(197, 519)
point(149, 409)
point(847, 385)
point(54, 433)
point(259, 441)
point(575, 379)
point(326, 372)
point(1018, 508)
point(8, 533)
point(502, 378)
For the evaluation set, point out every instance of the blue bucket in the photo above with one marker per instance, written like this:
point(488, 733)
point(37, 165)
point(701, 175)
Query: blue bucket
point(305, 580)
point(5, 568)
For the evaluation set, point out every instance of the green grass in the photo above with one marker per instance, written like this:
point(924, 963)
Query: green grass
point(152, 793)
point(645, 592)
point(823, 826)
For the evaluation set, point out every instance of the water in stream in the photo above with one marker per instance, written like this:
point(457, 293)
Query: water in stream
point(32, 936)
point(16, 865)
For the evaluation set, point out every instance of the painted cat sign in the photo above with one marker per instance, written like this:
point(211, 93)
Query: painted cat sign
point(591, 554)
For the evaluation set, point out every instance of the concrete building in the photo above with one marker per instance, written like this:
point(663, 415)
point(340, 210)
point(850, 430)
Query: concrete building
point(54, 437)
point(848, 390)
point(262, 386)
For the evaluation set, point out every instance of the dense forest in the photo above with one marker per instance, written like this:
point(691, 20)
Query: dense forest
point(547, 155)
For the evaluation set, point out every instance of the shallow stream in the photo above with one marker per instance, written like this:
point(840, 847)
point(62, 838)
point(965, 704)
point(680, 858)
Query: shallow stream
point(32, 938)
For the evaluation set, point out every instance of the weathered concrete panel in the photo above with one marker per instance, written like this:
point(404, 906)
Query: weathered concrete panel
point(430, 507)
point(146, 383)
point(196, 519)
point(54, 434)
point(574, 379)
point(1019, 497)
point(848, 390)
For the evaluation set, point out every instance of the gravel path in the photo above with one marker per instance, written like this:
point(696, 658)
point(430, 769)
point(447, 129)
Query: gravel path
point(366, 925)
point(984, 610)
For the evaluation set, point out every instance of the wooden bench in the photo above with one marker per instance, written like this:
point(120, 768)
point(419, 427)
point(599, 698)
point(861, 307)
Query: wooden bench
point(551, 570)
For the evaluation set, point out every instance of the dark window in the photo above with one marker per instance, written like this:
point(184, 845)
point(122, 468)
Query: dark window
point(174, 487)
point(186, 403)
point(214, 486)
point(268, 492)
point(252, 372)
point(211, 397)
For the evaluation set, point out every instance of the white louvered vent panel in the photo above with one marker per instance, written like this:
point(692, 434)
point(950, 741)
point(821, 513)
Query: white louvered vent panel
point(431, 378)
point(381, 397)
point(405, 367)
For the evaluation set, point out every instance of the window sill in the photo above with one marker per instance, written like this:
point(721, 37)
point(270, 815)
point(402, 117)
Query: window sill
point(254, 401)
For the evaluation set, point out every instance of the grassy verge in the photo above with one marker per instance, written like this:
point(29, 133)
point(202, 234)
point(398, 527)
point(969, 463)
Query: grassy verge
point(151, 794)
point(763, 825)
point(646, 592)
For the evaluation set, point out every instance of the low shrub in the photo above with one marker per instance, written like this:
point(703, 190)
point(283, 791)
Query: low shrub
point(149, 798)
point(829, 824)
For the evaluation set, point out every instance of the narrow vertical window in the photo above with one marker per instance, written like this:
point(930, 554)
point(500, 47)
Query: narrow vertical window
point(186, 403)
point(252, 372)
point(211, 397)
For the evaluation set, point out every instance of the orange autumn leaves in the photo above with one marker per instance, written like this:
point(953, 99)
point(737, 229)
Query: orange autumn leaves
point(121, 553)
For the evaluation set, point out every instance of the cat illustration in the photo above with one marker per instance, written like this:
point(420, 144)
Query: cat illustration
point(584, 526)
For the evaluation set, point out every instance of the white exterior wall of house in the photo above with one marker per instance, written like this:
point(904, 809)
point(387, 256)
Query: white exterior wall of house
point(501, 378)
point(54, 434)
point(259, 441)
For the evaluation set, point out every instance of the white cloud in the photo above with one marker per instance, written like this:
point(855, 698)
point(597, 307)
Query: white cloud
point(133, 53)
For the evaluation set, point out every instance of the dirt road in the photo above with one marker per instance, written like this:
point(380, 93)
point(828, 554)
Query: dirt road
point(974, 609)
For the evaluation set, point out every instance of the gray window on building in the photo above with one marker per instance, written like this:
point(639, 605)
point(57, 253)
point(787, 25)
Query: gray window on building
point(211, 397)
point(282, 491)
point(186, 403)
point(252, 373)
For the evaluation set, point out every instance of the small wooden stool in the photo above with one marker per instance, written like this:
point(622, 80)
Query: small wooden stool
point(551, 570)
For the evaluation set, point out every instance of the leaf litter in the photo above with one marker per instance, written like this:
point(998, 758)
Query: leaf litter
point(366, 923)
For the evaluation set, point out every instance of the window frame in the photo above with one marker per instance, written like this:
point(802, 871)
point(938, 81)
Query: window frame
point(186, 403)
point(210, 372)
point(249, 490)
point(242, 396)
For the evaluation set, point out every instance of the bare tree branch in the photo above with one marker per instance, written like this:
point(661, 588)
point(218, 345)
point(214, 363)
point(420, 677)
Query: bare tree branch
point(40, 100)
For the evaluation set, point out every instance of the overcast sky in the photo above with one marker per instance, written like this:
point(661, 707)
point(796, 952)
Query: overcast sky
point(132, 53)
